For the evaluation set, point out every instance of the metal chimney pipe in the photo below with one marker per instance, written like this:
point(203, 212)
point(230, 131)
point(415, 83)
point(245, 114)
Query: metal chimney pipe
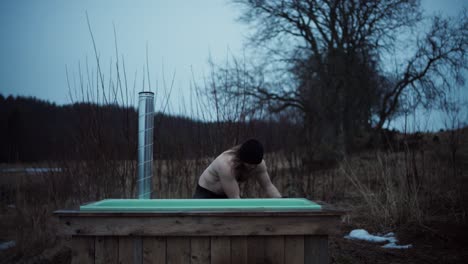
point(145, 143)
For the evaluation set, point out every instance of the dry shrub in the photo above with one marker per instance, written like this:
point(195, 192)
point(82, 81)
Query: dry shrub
point(177, 178)
point(39, 194)
point(35, 228)
point(403, 188)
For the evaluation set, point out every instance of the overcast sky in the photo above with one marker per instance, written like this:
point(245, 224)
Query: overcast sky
point(40, 39)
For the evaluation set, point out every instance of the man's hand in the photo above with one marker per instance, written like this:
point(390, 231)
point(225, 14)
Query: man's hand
point(264, 180)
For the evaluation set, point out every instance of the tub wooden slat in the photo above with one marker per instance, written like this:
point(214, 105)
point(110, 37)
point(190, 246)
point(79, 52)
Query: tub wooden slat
point(197, 226)
point(130, 250)
point(199, 250)
point(255, 249)
point(239, 249)
point(82, 250)
point(107, 250)
point(294, 249)
point(220, 250)
point(274, 249)
point(315, 249)
point(178, 250)
point(154, 250)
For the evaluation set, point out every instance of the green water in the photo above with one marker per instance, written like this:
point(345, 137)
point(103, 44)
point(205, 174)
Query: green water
point(127, 205)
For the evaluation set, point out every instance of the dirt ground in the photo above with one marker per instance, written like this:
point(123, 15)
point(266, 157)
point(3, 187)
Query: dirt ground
point(438, 243)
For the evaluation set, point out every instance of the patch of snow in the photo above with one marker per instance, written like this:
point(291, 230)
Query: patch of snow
point(391, 234)
point(361, 234)
point(7, 245)
point(393, 245)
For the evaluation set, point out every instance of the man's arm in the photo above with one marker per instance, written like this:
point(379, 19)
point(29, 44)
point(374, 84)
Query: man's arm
point(264, 180)
point(228, 182)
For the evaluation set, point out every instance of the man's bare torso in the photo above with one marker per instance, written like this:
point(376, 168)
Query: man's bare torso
point(210, 178)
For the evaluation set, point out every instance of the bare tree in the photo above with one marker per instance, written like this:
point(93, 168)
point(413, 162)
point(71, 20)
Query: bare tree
point(328, 56)
point(437, 65)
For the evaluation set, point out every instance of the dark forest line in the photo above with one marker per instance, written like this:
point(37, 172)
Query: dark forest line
point(33, 130)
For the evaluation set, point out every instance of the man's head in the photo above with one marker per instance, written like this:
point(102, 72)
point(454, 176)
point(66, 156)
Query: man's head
point(251, 152)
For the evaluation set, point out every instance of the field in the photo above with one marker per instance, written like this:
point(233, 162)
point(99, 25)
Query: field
point(417, 191)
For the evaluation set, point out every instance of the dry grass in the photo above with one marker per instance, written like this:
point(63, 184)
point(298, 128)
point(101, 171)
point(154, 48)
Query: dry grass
point(384, 190)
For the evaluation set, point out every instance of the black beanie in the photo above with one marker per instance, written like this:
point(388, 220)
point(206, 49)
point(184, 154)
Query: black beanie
point(251, 152)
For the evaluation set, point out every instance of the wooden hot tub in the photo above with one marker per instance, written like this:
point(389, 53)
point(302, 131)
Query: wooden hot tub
point(200, 231)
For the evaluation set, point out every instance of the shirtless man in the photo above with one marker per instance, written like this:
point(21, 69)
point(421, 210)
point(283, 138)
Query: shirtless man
point(221, 178)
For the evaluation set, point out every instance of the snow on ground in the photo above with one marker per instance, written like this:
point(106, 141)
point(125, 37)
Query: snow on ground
point(361, 234)
point(7, 245)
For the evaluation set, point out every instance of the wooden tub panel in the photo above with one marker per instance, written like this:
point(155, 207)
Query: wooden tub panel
point(274, 250)
point(255, 249)
point(294, 249)
point(200, 250)
point(106, 250)
point(178, 250)
point(154, 250)
point(197, 250)
point(82, 250)
point(130, 250)
point(197, 226)
point(239, 249)
point(220, 250)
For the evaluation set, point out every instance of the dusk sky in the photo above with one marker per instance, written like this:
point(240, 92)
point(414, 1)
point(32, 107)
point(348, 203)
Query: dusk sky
point(41, 38)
